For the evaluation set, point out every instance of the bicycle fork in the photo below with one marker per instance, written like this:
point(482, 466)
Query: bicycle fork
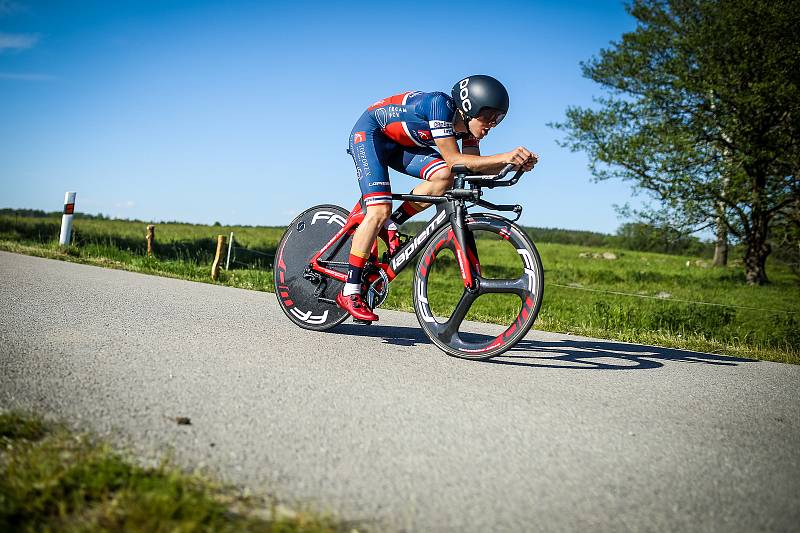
point(466, 249)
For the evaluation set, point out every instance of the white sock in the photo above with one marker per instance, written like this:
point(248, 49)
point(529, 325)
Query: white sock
point(389, 224)
point(351, 288)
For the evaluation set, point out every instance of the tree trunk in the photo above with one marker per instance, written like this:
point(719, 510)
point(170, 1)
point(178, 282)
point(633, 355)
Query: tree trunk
point(721, 247)
point(755, 260)
point(758, 248)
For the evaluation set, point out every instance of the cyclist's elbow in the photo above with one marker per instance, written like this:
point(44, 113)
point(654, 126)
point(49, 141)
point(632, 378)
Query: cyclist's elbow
point(456, 160)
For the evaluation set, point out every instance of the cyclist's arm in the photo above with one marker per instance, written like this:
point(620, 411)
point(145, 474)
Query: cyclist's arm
point(479, 163)
point(440, 114)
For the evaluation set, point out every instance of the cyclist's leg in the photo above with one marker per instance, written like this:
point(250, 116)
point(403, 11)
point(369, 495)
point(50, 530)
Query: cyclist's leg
point(368, 148)
point(424, 163)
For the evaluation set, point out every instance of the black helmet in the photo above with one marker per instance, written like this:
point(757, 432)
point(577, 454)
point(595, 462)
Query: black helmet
point(474, 93)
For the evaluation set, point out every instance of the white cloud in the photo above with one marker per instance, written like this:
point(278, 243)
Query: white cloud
point(17, 41)
point(26, 76)
point(126, 205)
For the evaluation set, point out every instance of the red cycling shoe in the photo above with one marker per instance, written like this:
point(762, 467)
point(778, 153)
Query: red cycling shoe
point(355, 305)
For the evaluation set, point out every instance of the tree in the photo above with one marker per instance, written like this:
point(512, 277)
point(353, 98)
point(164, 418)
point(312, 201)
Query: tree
point(785, 235)
point(702, 111)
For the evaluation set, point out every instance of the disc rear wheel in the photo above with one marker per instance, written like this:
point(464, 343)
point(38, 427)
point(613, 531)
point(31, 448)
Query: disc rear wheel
point(298, 289)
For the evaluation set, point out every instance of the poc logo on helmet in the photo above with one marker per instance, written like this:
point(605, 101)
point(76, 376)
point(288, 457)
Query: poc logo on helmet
point(466, 105)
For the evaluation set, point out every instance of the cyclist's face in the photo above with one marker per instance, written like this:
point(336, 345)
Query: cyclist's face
point(486, 120)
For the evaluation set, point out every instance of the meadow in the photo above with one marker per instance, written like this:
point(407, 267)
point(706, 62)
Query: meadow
point(665, 300)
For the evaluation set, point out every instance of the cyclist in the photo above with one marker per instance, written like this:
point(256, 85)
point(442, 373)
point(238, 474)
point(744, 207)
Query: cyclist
point(401, 132)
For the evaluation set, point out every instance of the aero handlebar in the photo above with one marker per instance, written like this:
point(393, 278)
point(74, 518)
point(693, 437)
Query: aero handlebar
point(473, 194)
point(489, 181)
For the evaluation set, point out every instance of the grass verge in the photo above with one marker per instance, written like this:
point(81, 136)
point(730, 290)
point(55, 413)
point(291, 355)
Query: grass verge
point(54, 480)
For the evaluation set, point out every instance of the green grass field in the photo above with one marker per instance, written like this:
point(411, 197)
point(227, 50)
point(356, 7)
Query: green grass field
point(758, 322)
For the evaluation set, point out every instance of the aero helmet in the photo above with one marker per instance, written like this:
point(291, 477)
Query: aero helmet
point(475, 93)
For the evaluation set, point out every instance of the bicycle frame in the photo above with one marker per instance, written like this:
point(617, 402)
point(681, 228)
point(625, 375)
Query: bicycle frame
point(448, 212)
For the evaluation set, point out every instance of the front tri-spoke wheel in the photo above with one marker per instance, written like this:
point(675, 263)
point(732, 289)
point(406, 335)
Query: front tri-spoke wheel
point(509, 289)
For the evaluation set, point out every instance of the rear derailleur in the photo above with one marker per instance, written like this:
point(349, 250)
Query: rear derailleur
point(320, 281)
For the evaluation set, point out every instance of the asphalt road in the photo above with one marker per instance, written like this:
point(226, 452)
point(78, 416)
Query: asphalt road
point(376, 424)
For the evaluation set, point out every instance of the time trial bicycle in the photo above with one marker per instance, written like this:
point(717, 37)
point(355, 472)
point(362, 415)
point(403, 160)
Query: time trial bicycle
point(312, 260)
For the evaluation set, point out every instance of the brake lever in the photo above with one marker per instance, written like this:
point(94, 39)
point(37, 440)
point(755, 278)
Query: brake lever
point(502, 174)
point(508, 168)
point(517, 176)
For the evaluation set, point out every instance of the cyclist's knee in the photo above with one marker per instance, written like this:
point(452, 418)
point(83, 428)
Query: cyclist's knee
point(377, 214)
point(441, 180)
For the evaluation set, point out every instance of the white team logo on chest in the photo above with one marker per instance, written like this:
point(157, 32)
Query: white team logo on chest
point(381, 117)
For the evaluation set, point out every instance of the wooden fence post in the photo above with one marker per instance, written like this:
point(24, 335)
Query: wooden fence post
point(151, 238)
point(217, 257)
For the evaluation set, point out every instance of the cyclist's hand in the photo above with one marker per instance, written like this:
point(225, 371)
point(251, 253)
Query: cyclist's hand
point(532, 160)
point(522, 157)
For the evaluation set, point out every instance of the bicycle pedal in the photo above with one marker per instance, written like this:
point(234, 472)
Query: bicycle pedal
point(363, 322)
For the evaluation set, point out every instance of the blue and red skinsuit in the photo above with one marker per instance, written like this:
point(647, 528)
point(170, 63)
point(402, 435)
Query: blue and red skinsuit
point(400, 132)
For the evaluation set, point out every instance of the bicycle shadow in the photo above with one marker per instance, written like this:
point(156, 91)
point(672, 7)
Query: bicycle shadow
point(579, 354)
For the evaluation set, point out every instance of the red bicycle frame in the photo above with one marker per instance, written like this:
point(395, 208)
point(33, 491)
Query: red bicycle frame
point(448, 212)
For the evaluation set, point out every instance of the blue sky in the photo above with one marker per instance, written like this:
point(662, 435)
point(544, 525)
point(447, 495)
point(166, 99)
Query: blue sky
point(239, 112)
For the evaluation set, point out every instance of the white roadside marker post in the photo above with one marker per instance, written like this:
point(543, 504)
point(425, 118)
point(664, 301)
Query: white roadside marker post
point(66, 219)
point(228, 260)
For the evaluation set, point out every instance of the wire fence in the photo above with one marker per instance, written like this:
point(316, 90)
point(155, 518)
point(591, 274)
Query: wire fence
point(249, 258)
point(668, 298)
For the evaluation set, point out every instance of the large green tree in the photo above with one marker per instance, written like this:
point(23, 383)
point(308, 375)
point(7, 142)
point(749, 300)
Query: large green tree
point(702, 109)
